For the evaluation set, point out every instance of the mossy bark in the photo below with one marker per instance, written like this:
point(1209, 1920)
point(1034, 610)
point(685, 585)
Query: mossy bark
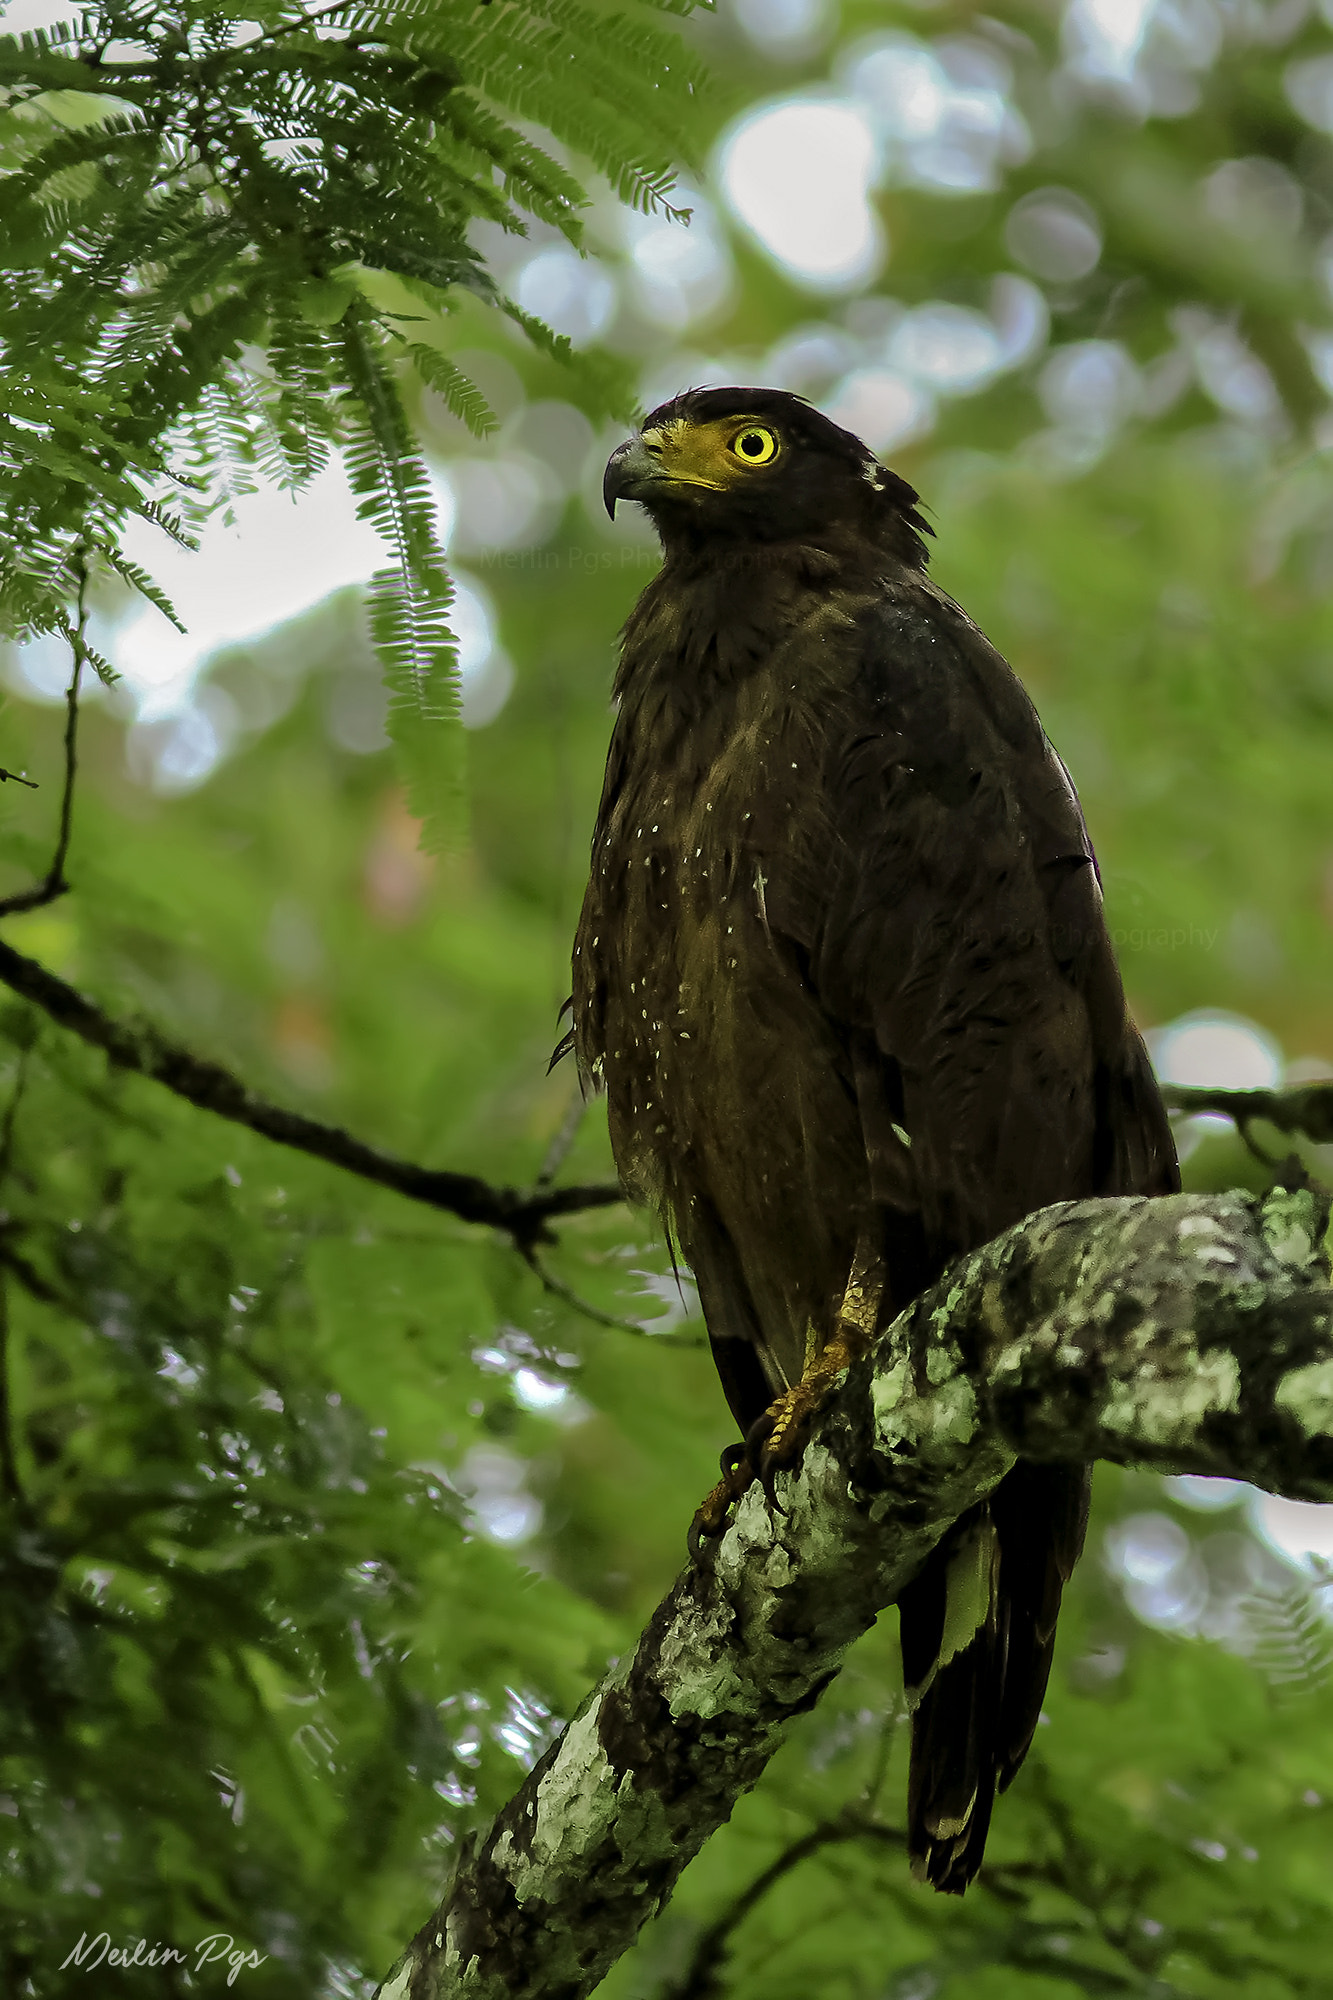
point(1190, 1334)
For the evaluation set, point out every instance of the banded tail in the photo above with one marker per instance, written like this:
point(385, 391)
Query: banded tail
point(978, 1636)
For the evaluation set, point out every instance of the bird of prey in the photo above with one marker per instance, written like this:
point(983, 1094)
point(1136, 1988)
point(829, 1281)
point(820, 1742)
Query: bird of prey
point(842, 971)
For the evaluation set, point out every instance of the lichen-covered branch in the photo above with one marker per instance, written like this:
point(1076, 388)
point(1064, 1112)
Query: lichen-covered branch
point(1193, 1334)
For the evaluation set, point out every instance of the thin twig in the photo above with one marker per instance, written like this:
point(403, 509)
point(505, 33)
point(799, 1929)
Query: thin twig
point(304, 22)
point(11, 1486)
point(19, 779)
point(558, 1150)
point(879, 1770)
point(560, 1290)
point(30, 1277)
point(702, 1979)
point(1251, 1144)
point(523, 1214)
point(319, 15)
point(54, 883)
point(11, 1114)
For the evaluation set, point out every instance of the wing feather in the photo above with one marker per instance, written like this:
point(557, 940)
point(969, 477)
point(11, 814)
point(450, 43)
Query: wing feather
point(959, 940)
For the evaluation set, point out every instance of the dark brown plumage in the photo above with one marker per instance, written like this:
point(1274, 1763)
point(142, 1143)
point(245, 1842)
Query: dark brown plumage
point(842, 971)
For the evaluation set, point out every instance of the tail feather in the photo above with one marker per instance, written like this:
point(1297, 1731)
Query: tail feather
point(978, 1635)
point(1035, 1567)
point(950, 1796)
point(952, 1644)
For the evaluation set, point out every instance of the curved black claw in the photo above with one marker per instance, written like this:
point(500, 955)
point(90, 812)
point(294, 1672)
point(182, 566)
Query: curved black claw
point(712, 1519)
point(731, 1460)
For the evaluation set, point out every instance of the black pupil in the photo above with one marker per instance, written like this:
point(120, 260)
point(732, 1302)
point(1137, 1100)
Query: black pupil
point(752, 444)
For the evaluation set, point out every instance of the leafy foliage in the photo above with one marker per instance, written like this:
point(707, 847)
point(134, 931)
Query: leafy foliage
point(198, 199)
point(245, 1570)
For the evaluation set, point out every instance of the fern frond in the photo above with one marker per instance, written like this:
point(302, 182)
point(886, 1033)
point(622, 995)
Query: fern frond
point(421, 676)
point(461, 397)
point(606, 381)
point(1291, 1641)
point(170, 524)
point(172, 281)
point(408, 601)
point(532, 177)
point(138, 580)
point(102, 667)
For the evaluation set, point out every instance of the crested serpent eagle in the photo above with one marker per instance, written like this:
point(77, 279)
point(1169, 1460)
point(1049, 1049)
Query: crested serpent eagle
point(842, 972)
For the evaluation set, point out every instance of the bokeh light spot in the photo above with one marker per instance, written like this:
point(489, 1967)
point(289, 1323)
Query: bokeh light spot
point(798, 175)
point(1216, 1050)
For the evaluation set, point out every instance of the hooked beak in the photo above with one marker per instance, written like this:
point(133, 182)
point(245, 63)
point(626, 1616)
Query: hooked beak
point(630, 471)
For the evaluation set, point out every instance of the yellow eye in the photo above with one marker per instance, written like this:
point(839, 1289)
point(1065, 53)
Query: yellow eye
point(755, 445)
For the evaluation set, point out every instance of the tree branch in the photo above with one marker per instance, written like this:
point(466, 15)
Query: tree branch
point(1304, 1108)
point(53, 884)
point(523, 1215)
point(1192, 1334)
point(138, 1046)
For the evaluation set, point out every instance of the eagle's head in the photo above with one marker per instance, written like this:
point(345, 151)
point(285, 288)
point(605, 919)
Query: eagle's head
point(758, 465)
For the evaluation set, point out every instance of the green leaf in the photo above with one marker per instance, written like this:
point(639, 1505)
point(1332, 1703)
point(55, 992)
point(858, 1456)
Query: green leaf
point(461, 397)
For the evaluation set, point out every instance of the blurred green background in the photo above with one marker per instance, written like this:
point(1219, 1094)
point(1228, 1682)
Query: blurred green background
point(328, 1511)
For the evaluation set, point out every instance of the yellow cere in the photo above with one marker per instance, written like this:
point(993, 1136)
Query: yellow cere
point(711, 454)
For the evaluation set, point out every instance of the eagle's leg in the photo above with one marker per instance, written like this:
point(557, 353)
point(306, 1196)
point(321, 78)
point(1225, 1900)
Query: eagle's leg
point(779, 1437)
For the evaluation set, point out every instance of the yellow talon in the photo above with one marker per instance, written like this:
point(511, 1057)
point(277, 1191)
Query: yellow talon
point(778, 1437)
